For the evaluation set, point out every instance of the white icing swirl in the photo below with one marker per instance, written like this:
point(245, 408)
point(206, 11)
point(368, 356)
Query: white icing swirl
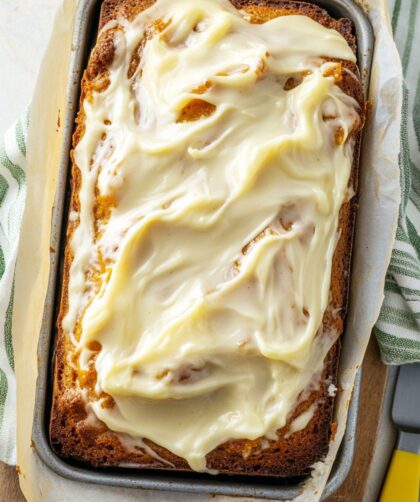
point(204, 338)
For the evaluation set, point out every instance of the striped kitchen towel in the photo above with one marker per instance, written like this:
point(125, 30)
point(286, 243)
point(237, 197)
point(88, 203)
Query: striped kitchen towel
point(12, 199)
point(398, 327)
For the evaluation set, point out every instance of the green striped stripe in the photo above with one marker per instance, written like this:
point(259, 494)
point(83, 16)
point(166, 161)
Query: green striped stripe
point(398, 318)
point(405, 255)
point(397, 342)
point(16, 171)
point(408, 259)
point(3, 236)
point(415, 199)
point(2, 263)
point(388, 309)
point(396, 15)
point(394, 287)
point(405, 152)
point(402, 271)
point(415, 188)
point(20, 138)
point(413, 235)
point(401, 236)
point(405, 264)
point(410, 36)
point(3, 394)
point(415, 177)
point(3, 188)
point(401, 352)
point(398, 356)
point(8, 343)
point(416, 113)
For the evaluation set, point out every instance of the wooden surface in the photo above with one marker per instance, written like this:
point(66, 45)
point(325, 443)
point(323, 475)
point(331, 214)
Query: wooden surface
point(374, 375)
point(9, 485)
point(353, 489)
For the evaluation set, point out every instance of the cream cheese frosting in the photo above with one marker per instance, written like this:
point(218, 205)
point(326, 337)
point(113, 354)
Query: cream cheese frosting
point(217, 250)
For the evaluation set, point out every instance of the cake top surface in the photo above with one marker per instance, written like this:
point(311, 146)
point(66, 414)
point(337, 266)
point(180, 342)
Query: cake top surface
point(221, 150)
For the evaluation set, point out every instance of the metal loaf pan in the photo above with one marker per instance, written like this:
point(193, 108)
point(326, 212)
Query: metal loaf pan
point(84, 37)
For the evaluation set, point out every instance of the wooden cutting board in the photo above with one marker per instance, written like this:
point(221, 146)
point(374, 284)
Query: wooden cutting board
point(373, 386)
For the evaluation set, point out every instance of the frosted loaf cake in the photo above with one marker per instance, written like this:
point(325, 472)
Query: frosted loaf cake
point(209, 237)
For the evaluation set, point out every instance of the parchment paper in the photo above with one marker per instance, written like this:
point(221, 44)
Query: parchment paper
point(376, 224)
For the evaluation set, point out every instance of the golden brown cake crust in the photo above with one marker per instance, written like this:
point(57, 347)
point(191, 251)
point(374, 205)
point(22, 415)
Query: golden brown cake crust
point(74, 437)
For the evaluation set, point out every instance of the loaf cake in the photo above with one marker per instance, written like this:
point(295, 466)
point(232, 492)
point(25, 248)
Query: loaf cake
point(206, 269)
